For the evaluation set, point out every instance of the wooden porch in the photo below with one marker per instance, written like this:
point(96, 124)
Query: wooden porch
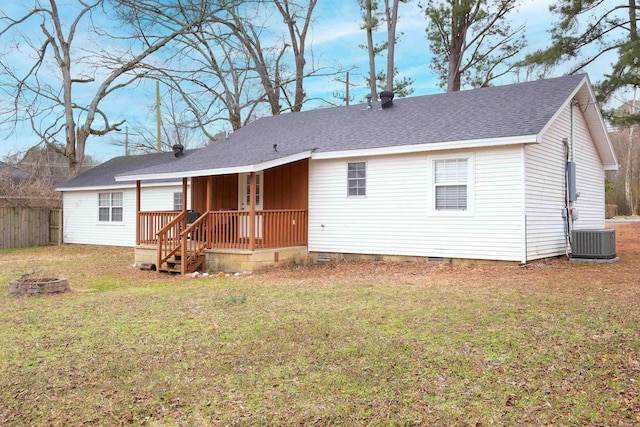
point(172, 235)
point(241, 213)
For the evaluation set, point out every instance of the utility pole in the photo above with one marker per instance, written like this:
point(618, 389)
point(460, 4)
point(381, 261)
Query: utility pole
point(126, 141)
point(347, 97)
point(158, 116)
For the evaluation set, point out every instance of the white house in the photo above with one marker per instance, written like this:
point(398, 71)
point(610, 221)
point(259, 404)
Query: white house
point(98, 210)
point(478, 174)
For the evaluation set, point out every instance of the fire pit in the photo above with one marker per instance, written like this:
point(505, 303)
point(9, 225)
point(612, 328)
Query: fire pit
point(39, 285)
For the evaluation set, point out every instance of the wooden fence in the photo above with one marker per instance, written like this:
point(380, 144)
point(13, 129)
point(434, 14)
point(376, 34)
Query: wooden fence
point(24, 227)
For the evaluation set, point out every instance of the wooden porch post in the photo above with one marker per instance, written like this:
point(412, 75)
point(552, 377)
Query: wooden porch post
point(184, 194)
point(183, 242)
point(209, 195)
point(137, 212)
point(252, 212)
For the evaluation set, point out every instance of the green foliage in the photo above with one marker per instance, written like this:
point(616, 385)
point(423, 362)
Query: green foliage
point(609, 186)
point(588, 29)
point(471, 41)
point(235, 299)
point(401, 87)
point(371, 17)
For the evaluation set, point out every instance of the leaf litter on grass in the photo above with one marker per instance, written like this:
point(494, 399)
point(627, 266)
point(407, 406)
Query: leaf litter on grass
point(350, 343)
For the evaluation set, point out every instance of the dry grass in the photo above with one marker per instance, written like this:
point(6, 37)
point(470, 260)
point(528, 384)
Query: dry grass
point(351, 344)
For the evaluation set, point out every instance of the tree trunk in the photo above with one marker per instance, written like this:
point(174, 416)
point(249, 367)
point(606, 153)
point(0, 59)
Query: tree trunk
point(75, 162)
point(628, 175)
point(372, 55)
point(392, 20)
point(633, 29)
point(458, 35)
point(453, 81)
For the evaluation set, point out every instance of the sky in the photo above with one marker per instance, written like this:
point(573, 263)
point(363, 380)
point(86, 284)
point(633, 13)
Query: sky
point(335, 39)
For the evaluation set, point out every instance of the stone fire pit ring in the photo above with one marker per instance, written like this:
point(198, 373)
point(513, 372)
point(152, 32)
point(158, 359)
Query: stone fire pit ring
point(37, 286)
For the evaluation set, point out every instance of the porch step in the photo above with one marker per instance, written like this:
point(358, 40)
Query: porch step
point(175, 266)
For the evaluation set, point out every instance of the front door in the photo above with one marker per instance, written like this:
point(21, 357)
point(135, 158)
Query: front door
point(244, 202)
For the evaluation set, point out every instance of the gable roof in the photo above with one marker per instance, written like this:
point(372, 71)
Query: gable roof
point(510, 114)
point(103, 175)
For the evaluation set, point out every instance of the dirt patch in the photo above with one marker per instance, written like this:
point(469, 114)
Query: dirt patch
point(621, 278)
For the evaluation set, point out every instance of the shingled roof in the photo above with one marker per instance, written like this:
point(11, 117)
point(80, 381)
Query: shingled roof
point(104, 174)
point(518, 112)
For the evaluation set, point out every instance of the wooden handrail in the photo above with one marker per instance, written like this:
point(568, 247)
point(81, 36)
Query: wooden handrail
point(225, 229)
point(193, 241)
point(169, 238)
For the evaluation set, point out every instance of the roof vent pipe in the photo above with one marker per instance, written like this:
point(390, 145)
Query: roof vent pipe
point(386, 99)
point(369, 106)
point(178, 149)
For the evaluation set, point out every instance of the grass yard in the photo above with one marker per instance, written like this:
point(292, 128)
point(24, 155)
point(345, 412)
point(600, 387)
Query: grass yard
point(554, 343)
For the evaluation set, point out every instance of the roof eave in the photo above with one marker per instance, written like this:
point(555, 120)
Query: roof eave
point(434, 146)
point(219, 171)
point(117, 186)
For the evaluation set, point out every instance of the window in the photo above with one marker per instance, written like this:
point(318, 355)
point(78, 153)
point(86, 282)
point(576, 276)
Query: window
point(110, 207)
point(357, 179)
point(451, 184)
point(247, 192)
point(177, 201)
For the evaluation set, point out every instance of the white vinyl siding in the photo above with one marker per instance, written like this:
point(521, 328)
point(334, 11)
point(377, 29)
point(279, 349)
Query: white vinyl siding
point(398, 217)
point(81, 223)
point(589, 177)
point(545, 186)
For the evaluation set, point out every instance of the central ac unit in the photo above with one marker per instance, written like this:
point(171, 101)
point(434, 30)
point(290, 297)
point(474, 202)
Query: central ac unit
point(593, 244)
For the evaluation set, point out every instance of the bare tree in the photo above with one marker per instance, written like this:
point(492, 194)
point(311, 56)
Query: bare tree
point(52, 106)
point(292, 14)
point(371, 21)
point(471, 40)
point(270, 61)
point(626, 143)
point(177, 127)
point(370, 24)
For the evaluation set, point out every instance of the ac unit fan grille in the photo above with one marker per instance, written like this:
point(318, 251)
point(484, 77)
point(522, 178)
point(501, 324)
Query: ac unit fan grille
point(593, 244)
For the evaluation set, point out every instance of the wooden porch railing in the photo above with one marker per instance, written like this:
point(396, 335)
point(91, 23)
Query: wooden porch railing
point(273, 229)
point(151, 223)
point(223, 230)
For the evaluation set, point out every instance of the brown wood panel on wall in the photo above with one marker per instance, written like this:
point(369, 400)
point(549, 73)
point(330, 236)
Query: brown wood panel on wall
point(287, 186)
point(224, 193)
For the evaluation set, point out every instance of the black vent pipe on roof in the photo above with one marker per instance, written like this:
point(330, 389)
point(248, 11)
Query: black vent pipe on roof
point(178, 149)
point(386, 99)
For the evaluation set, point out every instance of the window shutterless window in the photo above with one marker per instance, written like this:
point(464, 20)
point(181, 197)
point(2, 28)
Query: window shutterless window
point(451, 180)
point(110, 207)
point(177, 201)
point(356, 179)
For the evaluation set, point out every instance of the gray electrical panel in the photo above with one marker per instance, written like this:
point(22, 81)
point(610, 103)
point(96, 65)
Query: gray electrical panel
point(572, 192)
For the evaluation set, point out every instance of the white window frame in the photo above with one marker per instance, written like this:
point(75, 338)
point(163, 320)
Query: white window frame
point(350, 179)
point(111, 206)
point(470, 159)
point(177, 204)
